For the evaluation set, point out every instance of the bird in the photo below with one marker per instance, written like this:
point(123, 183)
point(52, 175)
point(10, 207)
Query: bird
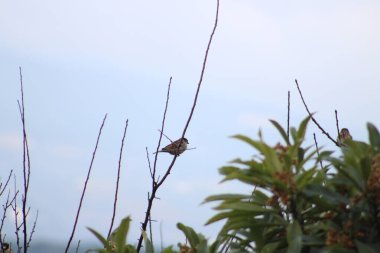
point(344, 136)
point(6, 248)
point(176, 147)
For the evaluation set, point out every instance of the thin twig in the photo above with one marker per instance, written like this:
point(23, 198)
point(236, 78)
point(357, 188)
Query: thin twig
point(118, 179)
point(150, 226)
point(156, 184)
point(8, 203)
point(161, 237)
point(162, 130)
point(26, 164)
point(85, 186)
point(227, 244)
point(196, 93)
point(337, 121)
point(288, 119)
point(33, 230)
point(77, 249)
point(2, 188)
point(316, 145)
point(153, 173)
point(313, 119)
point(165, 135)
point(150, 167)
point(14, 208)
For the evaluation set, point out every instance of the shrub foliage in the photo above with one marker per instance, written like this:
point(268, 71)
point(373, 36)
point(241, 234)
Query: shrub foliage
point(303, 200)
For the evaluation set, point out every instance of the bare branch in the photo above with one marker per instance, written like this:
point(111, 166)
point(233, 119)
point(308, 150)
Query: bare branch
point(150, 167)
point(2, 188)
point(288, 120)
point(196, 93)
point(165, 135)
point(26, 164)
point(33, 230)
point(150, 225)
point(118, 179)
point(161, 131)
point(7, 204)
point(85, 185)
point(77, 249)
point(156, 185)
point(15, 212)
point(337, 122)
point(316, 145)
point(313, 119)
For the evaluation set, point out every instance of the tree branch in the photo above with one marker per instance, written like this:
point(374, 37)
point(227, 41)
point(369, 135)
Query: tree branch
point(85, 186)
point(313, 119)
point(156, 184)
point(118, 179)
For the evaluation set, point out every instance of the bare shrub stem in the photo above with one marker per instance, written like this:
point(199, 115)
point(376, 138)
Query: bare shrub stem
point(157, 183)
point(313, 119)
point(117, 180)
point(85, 185)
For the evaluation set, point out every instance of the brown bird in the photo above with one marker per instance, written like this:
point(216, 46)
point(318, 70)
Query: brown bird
point(176, 147)
point(344, 136)
point(6, 248)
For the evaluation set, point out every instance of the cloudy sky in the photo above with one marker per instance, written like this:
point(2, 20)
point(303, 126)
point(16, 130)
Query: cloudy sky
point(83, 59)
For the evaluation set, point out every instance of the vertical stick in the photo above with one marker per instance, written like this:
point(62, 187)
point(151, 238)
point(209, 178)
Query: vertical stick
point(117, 180)
point(288, 120)
point(85, 186)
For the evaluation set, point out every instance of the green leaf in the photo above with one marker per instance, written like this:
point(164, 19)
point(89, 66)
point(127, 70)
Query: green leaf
point(130, 249)
point(202, 246)
point(374, 136)
point(302, 130)
point(120, 236)
point(325, 195)
point(281, 130)
point(364, 248)
point(337, 249)
point(226, 197)
point(100, 237)
point(190, 234)
point(293, 133)
point(168, 250)
point(148, 244)
point(218, 217)
point(294, 237)
point(248, 140)
point(270, 247)
point(241, 206)
point(305, 178)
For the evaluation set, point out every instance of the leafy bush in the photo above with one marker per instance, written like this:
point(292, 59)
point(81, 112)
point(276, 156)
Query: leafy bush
point(300, 205)
point(302, 200)
point(117, 241)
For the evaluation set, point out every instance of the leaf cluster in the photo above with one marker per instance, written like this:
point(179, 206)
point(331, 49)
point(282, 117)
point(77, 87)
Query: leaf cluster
point(303, 200)
point(117, 242)
point(298, 206)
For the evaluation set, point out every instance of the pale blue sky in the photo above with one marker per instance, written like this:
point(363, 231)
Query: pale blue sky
point(82, 59)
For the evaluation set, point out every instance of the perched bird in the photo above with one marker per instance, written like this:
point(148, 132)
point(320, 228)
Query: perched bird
point(176, 147)
point(344, 135)
point(6, 248)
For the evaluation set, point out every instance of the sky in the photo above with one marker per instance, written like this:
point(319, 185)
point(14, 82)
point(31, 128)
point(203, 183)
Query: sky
point(83, 59)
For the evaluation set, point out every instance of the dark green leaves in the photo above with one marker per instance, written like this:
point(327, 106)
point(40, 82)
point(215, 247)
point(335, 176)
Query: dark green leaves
point(294, 237)
point(374, 136)
point(117, 241)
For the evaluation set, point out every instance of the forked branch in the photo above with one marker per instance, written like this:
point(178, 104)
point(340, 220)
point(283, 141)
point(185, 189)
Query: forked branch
point(313, 119)
point(156, 183)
